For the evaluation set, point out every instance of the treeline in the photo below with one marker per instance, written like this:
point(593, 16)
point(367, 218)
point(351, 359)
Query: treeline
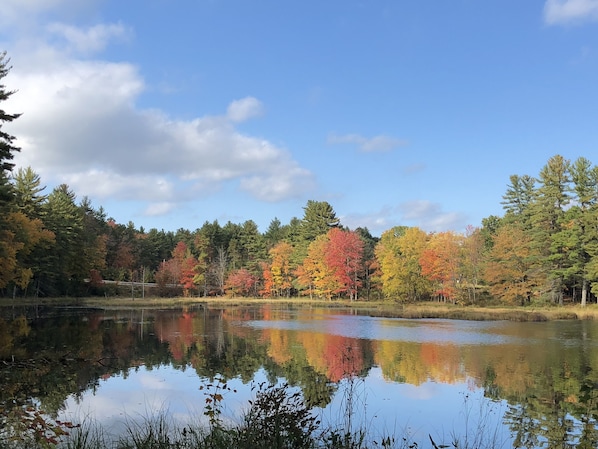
point(544, 248)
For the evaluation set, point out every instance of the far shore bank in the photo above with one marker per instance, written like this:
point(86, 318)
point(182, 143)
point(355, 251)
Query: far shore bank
point(424, 310)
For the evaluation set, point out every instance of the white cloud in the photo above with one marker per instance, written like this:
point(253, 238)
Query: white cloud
point(156, 209)
point(244, 109)
point(81, 125)
point(376, 143)
point(570, 11)
point(429, 216)
point(20, 13)
point(375, 222)
point(90, 40)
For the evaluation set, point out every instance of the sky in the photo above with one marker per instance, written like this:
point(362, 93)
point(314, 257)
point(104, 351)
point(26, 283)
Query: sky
point(171, 113)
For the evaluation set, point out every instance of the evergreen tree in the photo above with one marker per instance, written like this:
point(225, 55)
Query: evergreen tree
point(580, 233)
point(517, 199)
point(274, 233)
point(28, 192)
point(63, 265)
point(318, 218)
point(551, 198)
point(7, 147)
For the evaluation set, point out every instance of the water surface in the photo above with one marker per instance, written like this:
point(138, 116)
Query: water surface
point(523, 384)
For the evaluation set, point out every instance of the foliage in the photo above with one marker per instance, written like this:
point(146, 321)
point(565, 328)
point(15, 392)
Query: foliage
point(544, 249)
point(440, 263)
point(240, 282)
point(509, 268)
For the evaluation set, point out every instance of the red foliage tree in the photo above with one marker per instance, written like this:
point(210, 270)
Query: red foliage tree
point(240, 282)
point(344, 256)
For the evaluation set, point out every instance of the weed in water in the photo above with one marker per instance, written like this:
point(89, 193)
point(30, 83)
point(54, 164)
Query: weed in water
point(277, 418)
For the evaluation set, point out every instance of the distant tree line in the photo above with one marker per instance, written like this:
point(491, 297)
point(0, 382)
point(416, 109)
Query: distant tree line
point(544, 249)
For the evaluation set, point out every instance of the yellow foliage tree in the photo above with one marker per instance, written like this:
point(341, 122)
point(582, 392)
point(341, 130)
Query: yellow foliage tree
point(20, 237)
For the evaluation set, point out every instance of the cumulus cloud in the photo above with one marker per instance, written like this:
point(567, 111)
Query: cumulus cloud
point(372, 144)
point(558, 12)
point(244, 109)
point(375, 222)
point(81, 125)
point(424, 214)
point(430, 217)
point(25, 12)
point(89, 40)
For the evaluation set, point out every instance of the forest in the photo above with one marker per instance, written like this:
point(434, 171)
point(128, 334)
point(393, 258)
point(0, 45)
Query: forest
point(543, 250)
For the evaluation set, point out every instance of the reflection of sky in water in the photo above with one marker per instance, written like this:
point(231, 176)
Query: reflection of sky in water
point(385, 407)
point(419, 331)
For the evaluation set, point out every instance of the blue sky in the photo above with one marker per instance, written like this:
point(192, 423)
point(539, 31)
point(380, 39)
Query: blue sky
point(169, 113)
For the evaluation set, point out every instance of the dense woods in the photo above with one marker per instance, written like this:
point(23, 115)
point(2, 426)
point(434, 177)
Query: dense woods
point(544, 249)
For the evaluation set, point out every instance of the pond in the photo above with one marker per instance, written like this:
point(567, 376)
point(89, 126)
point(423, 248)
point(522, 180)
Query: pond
point(510, 384)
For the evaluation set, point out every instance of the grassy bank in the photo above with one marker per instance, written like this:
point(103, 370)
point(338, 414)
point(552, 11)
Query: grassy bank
point(375, 308)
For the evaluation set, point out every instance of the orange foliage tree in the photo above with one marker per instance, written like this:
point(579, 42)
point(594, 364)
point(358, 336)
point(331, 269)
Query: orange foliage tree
point(315, 273)
point(509, 266)
point(440, 262)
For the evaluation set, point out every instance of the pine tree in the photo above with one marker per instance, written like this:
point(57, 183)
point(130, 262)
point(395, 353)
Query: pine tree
point(8, 244)
point(548, 218)
point(7, 147)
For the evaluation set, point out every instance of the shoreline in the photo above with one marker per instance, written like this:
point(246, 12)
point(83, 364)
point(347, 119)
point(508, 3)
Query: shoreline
point(426, 310)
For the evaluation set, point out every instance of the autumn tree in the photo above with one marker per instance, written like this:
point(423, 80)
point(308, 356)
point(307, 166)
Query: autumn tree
point(399, 252)
point(94, 236)
point(440, 263)
point(509, 269)
point(472, 263)
point(184, 267)
point(240, 282)
point(281, 271)
point(121, 251)
point(7, 150)
point(344, 256)
point(201, 245)
point(369, 262)
point(21, 236)
point(315, 275)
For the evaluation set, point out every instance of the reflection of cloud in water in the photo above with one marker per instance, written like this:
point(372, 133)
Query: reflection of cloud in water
point(421, 392)
point(153, 382)
point(397, 329)
point(142, 394)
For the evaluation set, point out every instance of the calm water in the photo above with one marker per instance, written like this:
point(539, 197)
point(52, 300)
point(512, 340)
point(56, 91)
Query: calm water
point(524, 384)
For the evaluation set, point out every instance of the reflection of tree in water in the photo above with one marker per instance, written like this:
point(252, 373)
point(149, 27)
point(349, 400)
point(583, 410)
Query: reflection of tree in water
point(554, 416)
point(553, 394)
point(57, 356)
